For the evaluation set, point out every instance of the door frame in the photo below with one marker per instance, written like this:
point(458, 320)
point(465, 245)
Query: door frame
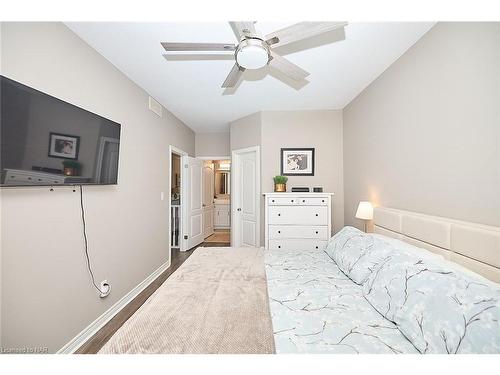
point(174, 150)
point(234, 178)
point(223, 158)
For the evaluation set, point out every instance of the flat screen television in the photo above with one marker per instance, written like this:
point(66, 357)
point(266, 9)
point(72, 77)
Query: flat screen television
point(47, 141)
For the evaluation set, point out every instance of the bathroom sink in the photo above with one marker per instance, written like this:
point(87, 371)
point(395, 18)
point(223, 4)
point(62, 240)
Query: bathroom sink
point(221, 201)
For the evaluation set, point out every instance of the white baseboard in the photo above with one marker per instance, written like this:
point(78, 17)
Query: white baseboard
point(97, 324)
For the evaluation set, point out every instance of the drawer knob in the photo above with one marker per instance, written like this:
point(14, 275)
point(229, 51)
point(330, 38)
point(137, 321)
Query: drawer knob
point(279, 246)
point(279, 231)
point(272, 200)
point(292, 200)
point(323, 201)
point(316, 247)
point(303, 201)
point(280, 215)
point(317, 215)
point(316, 232)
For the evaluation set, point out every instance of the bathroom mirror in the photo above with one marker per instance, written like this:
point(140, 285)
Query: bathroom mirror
point(222, 182)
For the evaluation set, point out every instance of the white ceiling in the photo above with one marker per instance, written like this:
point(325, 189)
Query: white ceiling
point(191, 89)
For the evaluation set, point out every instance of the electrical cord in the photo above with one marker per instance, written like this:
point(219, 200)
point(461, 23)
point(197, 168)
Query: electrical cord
point(89, 266)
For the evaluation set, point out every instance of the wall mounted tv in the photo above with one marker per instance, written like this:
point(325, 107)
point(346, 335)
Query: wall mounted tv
point(46, 141)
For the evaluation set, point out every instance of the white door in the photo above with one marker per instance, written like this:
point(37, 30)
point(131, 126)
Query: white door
point(193, 207)
point(208, 200)
point(246, 198)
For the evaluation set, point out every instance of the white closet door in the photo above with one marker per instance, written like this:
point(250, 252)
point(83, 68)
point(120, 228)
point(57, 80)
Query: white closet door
point(246, 195)
point(194, 202)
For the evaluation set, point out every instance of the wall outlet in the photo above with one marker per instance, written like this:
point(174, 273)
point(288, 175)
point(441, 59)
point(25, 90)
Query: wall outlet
point(105, 288)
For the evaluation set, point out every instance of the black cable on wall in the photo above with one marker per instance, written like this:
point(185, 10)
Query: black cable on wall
point(89, 265)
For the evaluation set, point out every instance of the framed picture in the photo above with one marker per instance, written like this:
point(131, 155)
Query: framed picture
point(297, 161)
point(63, 146)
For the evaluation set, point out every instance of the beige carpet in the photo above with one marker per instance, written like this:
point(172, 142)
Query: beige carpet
point(216, 302)
point(219, 236)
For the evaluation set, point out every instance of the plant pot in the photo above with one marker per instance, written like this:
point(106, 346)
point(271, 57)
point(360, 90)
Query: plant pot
point(69, 171)
point(280, 188)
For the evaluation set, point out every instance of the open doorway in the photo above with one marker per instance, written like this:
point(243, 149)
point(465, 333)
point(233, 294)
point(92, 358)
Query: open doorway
point(177, 200)
point(217, 202)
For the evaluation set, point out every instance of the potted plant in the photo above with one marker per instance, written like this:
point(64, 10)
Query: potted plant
point(280, 183)
point(71, 168)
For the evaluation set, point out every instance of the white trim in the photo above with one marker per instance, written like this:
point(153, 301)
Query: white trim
point(234, 173)
point(181, 153)
point(97, 324)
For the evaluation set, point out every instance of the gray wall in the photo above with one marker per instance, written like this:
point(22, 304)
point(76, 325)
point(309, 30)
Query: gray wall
point(245, 132)
point(425, 136)
point(272, 130)
point(321, 130)
point(46, 295)
point(212, 144)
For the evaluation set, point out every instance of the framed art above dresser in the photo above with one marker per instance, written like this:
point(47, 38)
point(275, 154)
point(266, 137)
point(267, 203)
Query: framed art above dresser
point(297, 221)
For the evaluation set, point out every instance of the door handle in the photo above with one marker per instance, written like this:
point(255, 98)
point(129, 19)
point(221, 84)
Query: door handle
point(239, 209)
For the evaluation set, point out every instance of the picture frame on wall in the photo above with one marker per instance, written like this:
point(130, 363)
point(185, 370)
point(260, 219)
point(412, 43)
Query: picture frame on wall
point(64, 146)
point(297, 161)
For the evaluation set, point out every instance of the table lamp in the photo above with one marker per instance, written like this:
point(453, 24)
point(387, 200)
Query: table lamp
point(365, 212)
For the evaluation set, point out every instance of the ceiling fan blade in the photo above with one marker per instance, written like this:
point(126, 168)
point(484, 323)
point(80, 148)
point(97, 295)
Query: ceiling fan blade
point(198, 46)
point(299, 31)
point(287, 68)
point(244, 28)
point(233, 76)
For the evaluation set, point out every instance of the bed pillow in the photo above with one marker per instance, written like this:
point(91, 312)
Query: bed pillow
point(357, 253)
point(436, 307)
point(347, 248)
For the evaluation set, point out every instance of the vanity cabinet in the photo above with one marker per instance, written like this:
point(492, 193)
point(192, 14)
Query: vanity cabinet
point(222, 216)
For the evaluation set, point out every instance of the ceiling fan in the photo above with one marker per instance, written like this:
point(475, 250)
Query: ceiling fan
point(255, 51)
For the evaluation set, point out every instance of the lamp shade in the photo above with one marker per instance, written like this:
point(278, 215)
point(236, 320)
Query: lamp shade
point(365, 211)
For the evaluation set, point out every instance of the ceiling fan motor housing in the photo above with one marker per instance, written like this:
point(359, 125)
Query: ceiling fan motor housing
point(252, 53)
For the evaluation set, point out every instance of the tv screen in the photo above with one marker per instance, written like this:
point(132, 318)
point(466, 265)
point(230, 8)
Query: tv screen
point(46, 141)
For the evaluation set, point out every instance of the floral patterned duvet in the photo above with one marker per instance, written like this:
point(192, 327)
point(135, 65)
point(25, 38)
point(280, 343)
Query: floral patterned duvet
point(370, 294)
point(315, 308)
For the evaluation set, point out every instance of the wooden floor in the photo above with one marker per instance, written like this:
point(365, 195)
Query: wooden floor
point(96, 342)
point(219, 236)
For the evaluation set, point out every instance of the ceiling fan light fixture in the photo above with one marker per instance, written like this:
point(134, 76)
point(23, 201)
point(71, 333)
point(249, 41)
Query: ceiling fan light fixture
point(252, 54)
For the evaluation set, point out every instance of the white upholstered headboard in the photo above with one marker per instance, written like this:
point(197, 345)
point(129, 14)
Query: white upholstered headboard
point(474, 246)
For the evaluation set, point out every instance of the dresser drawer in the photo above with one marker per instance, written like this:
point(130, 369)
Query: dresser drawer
point(288, 201)
point(313, 201)
point(298, 244)
point(12, 179)
point(298, 215)
point(28, 178)
point(282, 201)
point(298, 231)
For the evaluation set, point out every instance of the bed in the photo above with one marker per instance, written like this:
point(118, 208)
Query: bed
point(419, 284)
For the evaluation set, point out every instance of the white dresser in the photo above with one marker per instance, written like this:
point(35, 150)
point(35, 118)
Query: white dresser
point(27, 177)
point(298, 221)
